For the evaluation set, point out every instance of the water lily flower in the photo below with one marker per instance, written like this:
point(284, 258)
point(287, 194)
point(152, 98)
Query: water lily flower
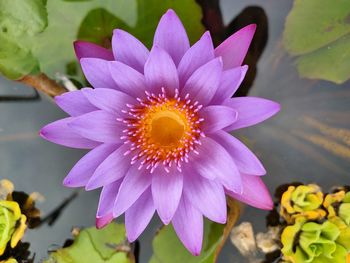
point(157, 124)
point(302, 200)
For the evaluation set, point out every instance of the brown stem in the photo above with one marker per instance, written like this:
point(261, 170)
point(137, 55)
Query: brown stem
point(44, 84)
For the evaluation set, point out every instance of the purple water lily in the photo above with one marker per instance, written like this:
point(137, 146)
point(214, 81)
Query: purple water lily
point(157, 124)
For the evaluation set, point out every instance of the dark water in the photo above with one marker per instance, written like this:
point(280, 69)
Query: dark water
point(294, 146)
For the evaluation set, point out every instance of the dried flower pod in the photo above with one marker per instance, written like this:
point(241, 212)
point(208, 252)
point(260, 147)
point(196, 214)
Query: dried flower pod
point(242, 236)
point(268, 242)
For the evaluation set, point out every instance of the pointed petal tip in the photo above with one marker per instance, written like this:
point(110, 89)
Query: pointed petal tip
point(131, 237)
point(66, 182)
point(91, 185)
point(244, 69)
point(170, 11)
point(195, 251)
point(103, 221)
point(42, 133)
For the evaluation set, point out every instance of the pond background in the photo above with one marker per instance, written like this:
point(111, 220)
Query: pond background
point(288, 145)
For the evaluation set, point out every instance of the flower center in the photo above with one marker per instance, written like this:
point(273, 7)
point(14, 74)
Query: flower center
point(167, 128)
point(162, 130)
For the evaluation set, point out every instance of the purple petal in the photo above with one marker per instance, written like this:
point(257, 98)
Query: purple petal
point(102, 221)
point(218, 164)
point(129, 50)
point(113, 101)
point(99, 126)
point(85, 49)
point(204, 81)
point(171, 36)
point(198, 55)
point(188, 225)
point(86, 166)
point(251, 110)
point(74, 103)
point(217, 117)
point(166, 192)
point(254, 193)
point(230, 81)
point(245, 160)
point(161, 72)
point(127, 79)
point(139, 215)
point(134, 184)
point(111, 169)
point(97, 73)
point(207, 196)
point(108, 195)
point(234, 49)
point(60, 133)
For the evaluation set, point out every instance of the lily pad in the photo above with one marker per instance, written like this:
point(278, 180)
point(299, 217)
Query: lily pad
point(317, 31)
point(168, 248)
point(92, 20)
point(15, 60)
point(93, 245)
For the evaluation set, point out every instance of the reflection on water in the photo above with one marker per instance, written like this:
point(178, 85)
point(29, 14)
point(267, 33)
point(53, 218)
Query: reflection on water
point(308, 141)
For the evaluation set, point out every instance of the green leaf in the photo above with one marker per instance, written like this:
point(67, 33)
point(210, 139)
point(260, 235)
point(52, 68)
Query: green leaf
point(150, 11)
point(318, 32)
point(93, 245)
point(54, 46)
point(168, 248)
point(92, 20)
point(16, 61)
point(19, 17)
point(98, 26)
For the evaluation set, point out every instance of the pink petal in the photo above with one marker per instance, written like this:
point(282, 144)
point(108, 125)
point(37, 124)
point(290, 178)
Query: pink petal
point(234, 49)
point(161, 72)
point(109, 100)
point(254, 193)
point(245, 160)
point(85, 49)
point(111, 169)
point(97, 73)
point(86, 166)
point(207, 196)
point(60, 133)
point(198, 55)
point(108, 195)
point(166, 192)
point(230, 81)
point(99, 126)
point(134, 184)
point(139, 215)
point(218, 164)
point(204, 81)
point(171, 36)
point(217, 117)
point(74, 103)
point(251, 110)
point(188, 225)
point(129, 50)
point(127, 79)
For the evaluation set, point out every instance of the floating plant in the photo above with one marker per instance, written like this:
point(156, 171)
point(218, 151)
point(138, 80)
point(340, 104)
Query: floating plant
point(311, 227)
